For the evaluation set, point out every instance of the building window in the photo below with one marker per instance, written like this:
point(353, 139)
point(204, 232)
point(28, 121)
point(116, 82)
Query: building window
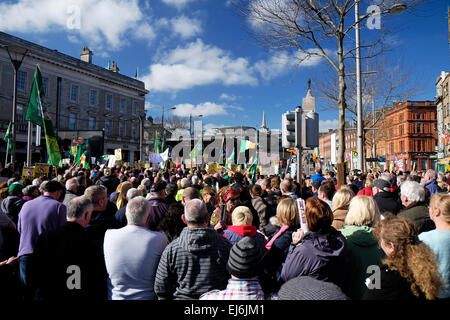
point(72, 121)
point(108, 102)
point(92, 123)
point(391, 148)
point(121, 129)
point(401, 130)
point(402, 146)
point(74, 93)
point(45, 86)
point(20, 113)
point(400, 118)
point(134, 108)
point(135, 132)
point(122, 105)
point(424, 164)
point(93, 97)
point(21, 81)
point(108, 127)
point(418, 128)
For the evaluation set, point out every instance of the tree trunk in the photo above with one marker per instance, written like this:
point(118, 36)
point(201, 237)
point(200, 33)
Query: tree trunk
point(342, 105)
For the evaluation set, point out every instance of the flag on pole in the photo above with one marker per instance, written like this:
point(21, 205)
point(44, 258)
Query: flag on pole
point(163, 141)
point(247, 144)
point(197, 150)
point(253, 169)
point(35, 114)
point(155, 144)
point(230, 159)
point(8, 139)
point(136, 75)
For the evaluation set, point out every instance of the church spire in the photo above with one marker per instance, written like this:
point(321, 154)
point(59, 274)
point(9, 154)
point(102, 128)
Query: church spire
point(263, 125)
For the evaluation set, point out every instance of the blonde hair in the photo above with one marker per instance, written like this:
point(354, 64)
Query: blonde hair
point(362, 211)
point(441, 201)
point(369, 182)
point(287, 212)
point(341, 198)
point(241, 216)
point(413, 259)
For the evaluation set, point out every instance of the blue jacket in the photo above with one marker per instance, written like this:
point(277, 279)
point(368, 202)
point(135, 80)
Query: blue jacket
point(432, 187)
point(321, 255)
point(317, 177)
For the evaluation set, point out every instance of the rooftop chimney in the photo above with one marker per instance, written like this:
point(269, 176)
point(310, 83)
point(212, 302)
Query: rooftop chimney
point(86, 55)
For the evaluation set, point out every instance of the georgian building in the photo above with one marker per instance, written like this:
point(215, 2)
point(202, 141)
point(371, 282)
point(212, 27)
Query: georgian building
point(408, 136)
point(79, 95)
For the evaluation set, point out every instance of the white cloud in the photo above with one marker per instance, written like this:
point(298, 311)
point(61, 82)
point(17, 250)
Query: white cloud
point(206, 109)
point(228, 97)
point(179, 4)
point(99, 22)
point(145, 32)
point(198, 64)
point(324, 125)
point(186, 27)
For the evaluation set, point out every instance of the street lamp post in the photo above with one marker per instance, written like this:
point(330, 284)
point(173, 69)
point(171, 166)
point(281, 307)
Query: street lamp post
point(395, 9)
point(162, 117)
point(16, 55)
point(190, 123)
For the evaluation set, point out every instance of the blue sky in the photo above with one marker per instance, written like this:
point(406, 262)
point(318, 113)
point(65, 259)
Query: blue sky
point(198, 54)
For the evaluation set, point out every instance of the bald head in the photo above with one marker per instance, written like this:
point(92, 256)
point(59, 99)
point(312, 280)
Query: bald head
point(285, 186)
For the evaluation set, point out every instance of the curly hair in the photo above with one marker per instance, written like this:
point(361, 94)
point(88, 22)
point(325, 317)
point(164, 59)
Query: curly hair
point(412, 258)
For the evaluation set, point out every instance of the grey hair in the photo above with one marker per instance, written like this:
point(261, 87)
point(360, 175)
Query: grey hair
point(431, 174)
point(413, 191)
point(386, 176)
point(137, 210)
point(94, 193)
point(72, 184)
point(195, 180)
point(133, 193)
point(195, 212)
point(401, 179)
point(37, 182)
point(441, 176)
point(78, 206)
point(185, 183)
point(146, 182)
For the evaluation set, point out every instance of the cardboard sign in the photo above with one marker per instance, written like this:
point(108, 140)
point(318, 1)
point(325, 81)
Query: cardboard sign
point(118, 154)
point(41, 169)
point(28, 173)
point(147, 165)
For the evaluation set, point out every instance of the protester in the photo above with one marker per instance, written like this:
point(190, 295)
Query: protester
point(195, 262)
point(36, 216)
point(260, 206)
point(287, 189)
point(120, 215)
point(410, 269)
point(244, 264)
point(132, 254)
point(13, 203)
point(229, 203)
point(321, 251)
point(242, 227)
point(363, 250)
point(439, 239)
point(63, 252)
point(430, 183)
point(309, 288)
point(340, 204)
point(413, 198)
point(367, 190)
point(384, 197)
point(72, 187)
point(326, 192)
point(209, 197)
point(109, 180)
point(318, 176)
point(172, 223)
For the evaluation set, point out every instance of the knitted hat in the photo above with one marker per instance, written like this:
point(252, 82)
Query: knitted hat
point(307, 288)
point(245, 259)
point(382, 185)
point(15, 188)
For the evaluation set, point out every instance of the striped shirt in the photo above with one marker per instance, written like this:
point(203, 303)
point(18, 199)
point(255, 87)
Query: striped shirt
point(237, 289)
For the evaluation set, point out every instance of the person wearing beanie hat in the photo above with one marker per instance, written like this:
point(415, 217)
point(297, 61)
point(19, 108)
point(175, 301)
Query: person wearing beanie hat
point(244, 264)
point(12, 204)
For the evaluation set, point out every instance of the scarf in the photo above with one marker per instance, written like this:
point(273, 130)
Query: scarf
point(275, 237)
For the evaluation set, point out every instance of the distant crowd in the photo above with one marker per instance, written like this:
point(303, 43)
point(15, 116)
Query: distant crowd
point(145, 234)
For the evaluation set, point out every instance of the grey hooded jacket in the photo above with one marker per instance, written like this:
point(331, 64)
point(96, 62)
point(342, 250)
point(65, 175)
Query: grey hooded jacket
point(193, 264)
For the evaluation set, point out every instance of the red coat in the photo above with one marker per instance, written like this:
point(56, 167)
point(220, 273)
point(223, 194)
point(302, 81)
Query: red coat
point(365, 192)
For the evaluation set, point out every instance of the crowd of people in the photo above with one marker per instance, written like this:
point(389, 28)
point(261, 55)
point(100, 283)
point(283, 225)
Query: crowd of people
point(145, 234)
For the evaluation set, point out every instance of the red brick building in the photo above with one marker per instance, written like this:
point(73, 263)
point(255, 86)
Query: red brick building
point(408, 136)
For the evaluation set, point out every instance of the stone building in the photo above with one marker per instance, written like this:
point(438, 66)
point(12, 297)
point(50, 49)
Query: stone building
point(79, 95)
point(443, 113)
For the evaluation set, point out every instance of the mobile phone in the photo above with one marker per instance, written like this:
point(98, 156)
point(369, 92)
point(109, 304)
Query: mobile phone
point(301, 213)
point(223, 211)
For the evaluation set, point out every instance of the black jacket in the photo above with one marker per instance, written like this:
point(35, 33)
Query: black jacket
point(392, 286)
point(54, 254)
point(387, 203)
point(419, 215)
point(110, 182)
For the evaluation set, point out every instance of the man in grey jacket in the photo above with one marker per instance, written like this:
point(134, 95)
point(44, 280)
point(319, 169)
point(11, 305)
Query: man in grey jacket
point(195, 262)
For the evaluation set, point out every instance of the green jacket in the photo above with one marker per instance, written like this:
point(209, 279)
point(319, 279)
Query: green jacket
point(363, 251)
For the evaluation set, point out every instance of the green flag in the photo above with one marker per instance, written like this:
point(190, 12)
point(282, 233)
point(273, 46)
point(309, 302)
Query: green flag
point(155, 145)
point(8, 139)
point(243, 145)
point(197, 150)
point(35, 114)
point(253, 169)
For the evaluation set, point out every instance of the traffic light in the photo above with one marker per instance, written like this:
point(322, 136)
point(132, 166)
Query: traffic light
point(310, 129)
point(291, 129)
